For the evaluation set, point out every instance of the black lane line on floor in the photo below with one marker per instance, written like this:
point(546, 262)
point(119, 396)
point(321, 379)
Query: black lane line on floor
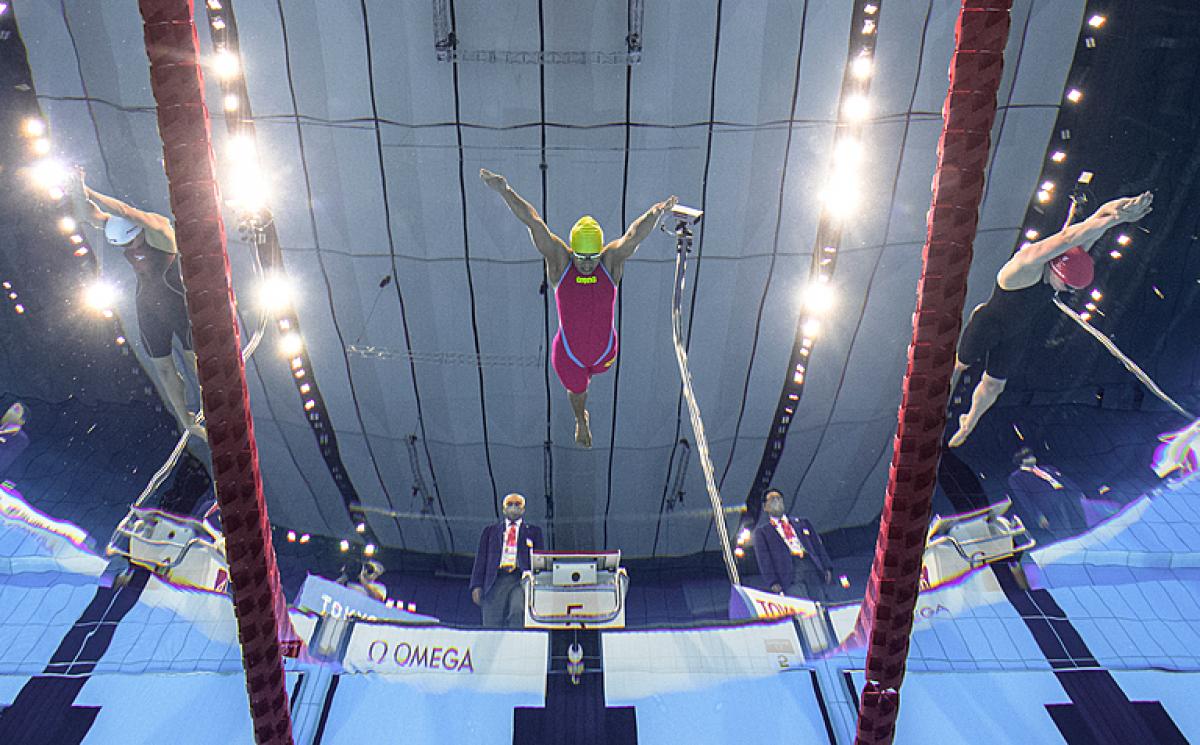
point(1100, 713)
point(575, 713)
point(44, 710)
point(816, 686)
point(333, 684)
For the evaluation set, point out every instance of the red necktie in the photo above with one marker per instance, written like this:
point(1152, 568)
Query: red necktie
point(509, 556)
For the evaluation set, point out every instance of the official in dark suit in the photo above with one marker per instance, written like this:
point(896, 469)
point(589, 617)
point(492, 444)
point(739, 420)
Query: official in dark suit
point(790, 554)
point(503, 554)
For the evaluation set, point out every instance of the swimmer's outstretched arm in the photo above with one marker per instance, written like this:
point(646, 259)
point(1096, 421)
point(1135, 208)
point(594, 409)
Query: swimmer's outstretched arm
point(623, 247)
point(1128, 209)
point(85, 209)
point(95, 208)
point(548, 244)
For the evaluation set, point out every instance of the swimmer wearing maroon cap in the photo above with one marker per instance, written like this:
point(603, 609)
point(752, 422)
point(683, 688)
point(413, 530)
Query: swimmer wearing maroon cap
point(585, 276)
point(998, 330)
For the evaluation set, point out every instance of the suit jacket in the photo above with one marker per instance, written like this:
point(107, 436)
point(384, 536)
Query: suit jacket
point(491, 547)
point(775, 560)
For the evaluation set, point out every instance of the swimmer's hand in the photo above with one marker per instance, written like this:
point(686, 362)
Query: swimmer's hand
point(666, 205)
point(493, 180)
point(1128, 209)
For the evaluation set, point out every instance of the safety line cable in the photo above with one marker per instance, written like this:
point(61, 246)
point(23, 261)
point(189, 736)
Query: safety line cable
point(683, 237)
point(1129, 364)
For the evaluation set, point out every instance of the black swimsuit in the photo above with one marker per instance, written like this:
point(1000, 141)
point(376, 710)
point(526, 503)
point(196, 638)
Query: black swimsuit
point(998, 331)
point(160, 306)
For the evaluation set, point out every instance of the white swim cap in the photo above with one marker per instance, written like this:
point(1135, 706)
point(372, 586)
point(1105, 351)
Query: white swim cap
point(121, 231)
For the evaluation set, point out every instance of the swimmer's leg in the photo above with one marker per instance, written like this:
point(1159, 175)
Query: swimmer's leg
point(173, 388)
point(985, 394)
point(959, 369)
point(194, 428)
point(583, 430)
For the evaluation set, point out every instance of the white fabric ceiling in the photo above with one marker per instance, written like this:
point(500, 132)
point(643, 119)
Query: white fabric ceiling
point(469, 278)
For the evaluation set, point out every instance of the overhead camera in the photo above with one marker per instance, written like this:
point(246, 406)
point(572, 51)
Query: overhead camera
point(687, 215)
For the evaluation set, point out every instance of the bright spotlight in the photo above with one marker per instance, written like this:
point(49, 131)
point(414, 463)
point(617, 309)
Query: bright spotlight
point(49, 174)
point(232, 102)
point(1031, 234)
point(67, 225)
point(41, 146)
point(862, 66)
point(100, 296)
point(225, 63)
point(247, 187)
point(369, 549)
point(1097, 295)
point(856, 107)
point(840, 197)
point(33, 127)
point(818, 297)
point(291, 344)
point(1074, 95)
point(811, 328)
point(1044, 196)
point(275, 294)
point(1058, 156)
point(344, 545)
point(1096, 21)
point(1123, 239)
point(242, 148)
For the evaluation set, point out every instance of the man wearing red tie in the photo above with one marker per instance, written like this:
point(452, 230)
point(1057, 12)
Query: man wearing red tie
point(790, 554)
point(503, 554)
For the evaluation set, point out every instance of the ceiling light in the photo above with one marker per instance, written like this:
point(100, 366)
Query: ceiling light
point(291, 344)
point(1074, 95)
point(275, 295)
point(856, 107)
point(818, 297)
point(100, 295)
point(1096, 21)
point(225, 63)
point(33, 127)
point(862, 66)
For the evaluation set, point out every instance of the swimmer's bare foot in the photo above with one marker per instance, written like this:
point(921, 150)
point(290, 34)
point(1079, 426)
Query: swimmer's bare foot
point(583, 431)
point(964, 431)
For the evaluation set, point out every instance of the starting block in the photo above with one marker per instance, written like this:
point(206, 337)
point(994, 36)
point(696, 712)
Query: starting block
point(575, 590)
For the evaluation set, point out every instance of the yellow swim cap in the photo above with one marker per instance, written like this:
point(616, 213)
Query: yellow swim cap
point(586, 236)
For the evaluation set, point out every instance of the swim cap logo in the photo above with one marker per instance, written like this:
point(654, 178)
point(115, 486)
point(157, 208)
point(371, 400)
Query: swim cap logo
point(585, 280)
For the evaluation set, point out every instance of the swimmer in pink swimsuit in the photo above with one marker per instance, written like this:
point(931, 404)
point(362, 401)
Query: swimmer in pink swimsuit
point(585, 276)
